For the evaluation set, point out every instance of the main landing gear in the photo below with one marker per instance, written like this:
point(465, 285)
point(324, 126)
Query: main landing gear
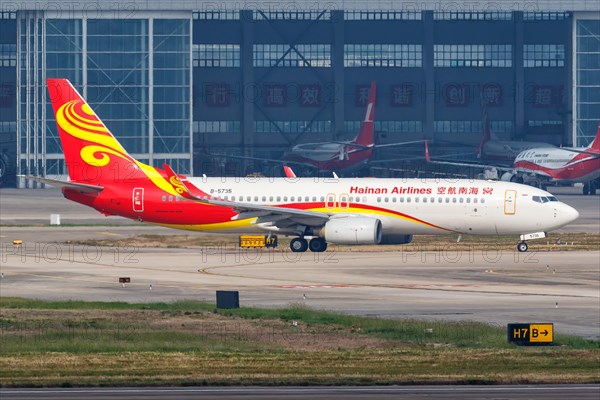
point(522, 246)
point(300, 245)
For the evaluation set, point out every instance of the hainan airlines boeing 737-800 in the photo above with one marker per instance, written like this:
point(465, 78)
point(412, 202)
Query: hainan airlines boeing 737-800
point(340, 211)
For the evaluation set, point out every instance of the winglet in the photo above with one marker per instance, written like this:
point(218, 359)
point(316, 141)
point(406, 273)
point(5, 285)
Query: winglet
point(289, 173)
point(427, 158)
point(178, 185)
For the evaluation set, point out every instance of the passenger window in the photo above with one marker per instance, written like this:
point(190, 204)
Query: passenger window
point(482, 201)
point(170, 198)
point(379, 199)
point(416, 199)
point(314, 198)
point(468, 199)
point(284, 198)
point(393, 199)
point(424, 199)
point(322, 198)
point(475, 200)
point(454, 199)
point(401, 199)
point(264, 198)
point(439, 199)
point(164, 198)
point(460, 200)
point(278, 199)
point(408, 199)
point(271, 198)
point(386, 199)
point(447, 199)
point(248, 198)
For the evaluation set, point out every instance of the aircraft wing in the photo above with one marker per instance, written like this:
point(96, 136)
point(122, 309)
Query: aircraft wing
point(80, 187)
point(279, 216)
point(464, 164)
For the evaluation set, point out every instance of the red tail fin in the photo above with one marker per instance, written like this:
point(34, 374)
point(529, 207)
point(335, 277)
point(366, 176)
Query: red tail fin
point(365, 135)
point(595, 146)
point(92, 153)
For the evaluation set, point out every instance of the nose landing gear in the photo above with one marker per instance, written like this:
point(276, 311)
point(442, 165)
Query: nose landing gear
point(522, 246)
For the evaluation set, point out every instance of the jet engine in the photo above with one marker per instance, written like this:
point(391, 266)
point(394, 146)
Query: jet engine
point(352, 230)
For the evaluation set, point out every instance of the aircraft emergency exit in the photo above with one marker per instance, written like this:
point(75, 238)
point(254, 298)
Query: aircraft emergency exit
point(333, 210)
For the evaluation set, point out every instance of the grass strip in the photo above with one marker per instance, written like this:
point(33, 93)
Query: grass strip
point(76, 343)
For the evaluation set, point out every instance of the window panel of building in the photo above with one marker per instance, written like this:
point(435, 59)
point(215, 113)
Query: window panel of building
point(383, 55)
point(543, 55)
point(292, 126)
point(390, 126)
point(216, 55)
point(587, 81)
point(282, 55)
point(472, 55)
point(171, 111)
point(222, 15)
point(64, 58)
point(118, 78)
point(481, 16)
point(447, 126)
point(291, 15)
point(8, 55)
point(217, 126)
point(545, 16)
point(382, 15)
point(8, 15)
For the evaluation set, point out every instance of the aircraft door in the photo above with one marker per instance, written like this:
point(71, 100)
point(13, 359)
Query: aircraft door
point(138, 199)
point(510, 202)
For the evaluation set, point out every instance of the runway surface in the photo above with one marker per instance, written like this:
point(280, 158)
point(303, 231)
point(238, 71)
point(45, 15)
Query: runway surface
point(542, 392)
point(488, 286)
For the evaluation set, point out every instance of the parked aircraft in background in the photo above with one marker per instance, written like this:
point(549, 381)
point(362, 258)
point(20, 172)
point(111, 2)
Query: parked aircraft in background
point(342, 156)
point(341, 211)
point(549, 165)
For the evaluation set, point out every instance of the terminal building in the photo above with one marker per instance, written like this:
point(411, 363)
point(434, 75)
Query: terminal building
point(192, 83)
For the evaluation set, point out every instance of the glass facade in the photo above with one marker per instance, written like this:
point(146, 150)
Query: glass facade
point(135, 73)
point(587, 81)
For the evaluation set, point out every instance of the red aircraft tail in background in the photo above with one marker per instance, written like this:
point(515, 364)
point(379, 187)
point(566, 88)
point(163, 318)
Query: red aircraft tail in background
point(365, 135)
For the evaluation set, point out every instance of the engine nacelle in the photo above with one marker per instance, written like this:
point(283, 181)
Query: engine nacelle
point(352, 230)
point(507, 177)
point(396, 238)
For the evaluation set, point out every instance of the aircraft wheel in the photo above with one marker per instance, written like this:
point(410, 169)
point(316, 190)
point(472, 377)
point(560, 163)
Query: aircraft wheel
point(317, 245)
point(298, 245)
point(522, 247)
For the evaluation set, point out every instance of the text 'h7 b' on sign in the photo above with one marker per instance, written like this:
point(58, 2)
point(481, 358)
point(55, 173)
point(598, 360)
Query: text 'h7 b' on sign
point(531, 334)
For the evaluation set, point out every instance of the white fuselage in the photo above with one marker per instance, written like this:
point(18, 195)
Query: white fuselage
point(405, 206)
point(560, 164)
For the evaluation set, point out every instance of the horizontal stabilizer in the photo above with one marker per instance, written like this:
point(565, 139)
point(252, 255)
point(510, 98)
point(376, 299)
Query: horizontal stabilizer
point(80, 187)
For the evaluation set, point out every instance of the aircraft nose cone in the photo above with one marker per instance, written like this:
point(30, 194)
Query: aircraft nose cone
point(567, 214)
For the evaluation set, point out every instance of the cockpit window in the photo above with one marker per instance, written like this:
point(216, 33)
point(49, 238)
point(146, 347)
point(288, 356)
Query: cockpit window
point(543, 199)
